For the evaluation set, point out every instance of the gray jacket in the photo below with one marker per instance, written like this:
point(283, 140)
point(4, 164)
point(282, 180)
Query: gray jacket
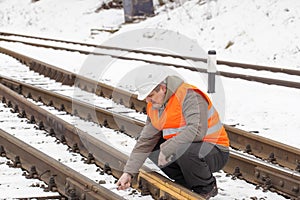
point(195, 113)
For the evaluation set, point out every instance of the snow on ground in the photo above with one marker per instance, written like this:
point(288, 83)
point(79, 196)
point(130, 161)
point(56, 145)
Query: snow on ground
point(258, 32)
point(262, 32)
point(19, 187)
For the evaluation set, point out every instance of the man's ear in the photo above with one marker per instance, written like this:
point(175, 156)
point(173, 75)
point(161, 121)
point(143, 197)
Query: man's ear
point(163, 87)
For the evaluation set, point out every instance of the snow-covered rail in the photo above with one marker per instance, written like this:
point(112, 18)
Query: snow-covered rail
point(42, 40)
point(257, 73)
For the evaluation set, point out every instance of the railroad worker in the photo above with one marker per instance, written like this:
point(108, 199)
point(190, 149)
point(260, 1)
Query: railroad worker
point(183, 134)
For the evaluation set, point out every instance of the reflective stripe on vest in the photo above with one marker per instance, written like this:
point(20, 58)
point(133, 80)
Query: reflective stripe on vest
point(170, 132)
point(214, 124)
point(214, 128)
point(210, 111)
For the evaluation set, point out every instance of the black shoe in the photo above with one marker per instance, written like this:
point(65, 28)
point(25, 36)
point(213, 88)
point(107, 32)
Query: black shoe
point(203, 191)
point(212, 193)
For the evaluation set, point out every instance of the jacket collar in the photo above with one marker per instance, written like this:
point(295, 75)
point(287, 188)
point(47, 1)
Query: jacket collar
point(173, 82)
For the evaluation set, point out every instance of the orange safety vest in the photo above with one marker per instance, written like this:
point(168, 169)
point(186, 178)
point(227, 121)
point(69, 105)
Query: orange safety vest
point(172, 121)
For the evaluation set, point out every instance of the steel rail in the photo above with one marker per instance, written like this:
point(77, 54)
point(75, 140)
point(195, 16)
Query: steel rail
point(104, 155)
point(268, 176)
point(69, 78)
point(220, 62)
point(233, 164)
point(269, 81)
point(59, 177)
point(269, 150)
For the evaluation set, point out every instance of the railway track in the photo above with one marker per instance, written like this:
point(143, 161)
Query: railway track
point(255, 170)
point(103, 155)
point(14, 185)
point(257, 73)
point(59, 177)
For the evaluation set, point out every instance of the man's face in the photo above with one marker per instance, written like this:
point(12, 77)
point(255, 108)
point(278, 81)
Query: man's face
point(157, 97)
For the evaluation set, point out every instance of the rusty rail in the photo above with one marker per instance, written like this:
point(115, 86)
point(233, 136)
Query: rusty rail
point(269, 150)
point(268, 176)
point(59, 177)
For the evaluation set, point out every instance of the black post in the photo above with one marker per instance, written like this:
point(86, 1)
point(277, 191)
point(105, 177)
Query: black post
point(211, 70)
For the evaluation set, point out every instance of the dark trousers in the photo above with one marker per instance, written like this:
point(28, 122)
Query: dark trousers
point(194, 164)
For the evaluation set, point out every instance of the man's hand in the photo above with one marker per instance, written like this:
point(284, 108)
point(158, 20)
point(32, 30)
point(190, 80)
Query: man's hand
point(124, 181)
point(162, 160)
